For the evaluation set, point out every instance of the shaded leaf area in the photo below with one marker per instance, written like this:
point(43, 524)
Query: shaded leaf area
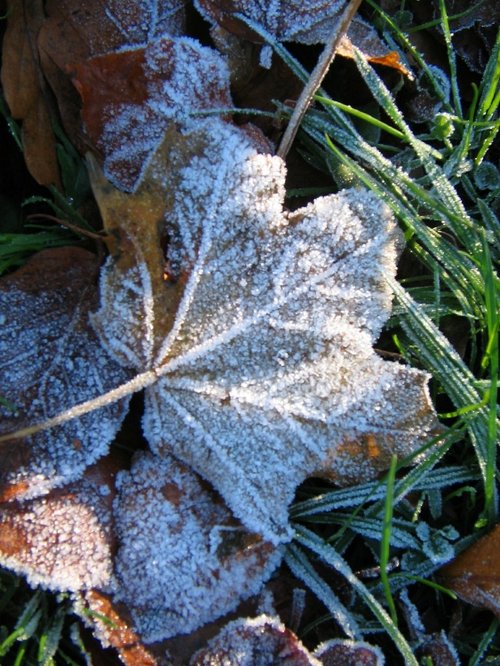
point(306, 23)
point(52, 359)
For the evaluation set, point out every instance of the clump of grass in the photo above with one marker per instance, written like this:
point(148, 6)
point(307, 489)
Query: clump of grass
point(443, 191)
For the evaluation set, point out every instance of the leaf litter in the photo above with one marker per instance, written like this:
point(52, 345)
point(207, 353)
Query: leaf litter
point(251, 331)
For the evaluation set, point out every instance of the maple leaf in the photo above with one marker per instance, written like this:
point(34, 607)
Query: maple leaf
point(266, 374)
point(251, 331)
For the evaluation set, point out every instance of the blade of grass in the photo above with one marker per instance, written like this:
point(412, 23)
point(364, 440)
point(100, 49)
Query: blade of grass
point(331, 557)
point(385, 542)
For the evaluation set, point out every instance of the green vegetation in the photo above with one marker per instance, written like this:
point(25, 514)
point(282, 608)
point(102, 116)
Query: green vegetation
point(437, 179)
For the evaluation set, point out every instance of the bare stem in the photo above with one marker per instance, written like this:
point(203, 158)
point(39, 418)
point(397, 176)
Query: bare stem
point(317, 77)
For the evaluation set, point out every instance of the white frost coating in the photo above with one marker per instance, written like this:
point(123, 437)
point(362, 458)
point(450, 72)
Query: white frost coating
point(269, 367)
point(308, 22)
point(183, 560)
point(182, 77)
point(260, 641)
point(142, 21)
point(51, 360)
point(60, 541)
point(341, 651)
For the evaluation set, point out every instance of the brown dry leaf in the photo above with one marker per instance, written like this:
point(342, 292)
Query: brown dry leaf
point(23, 89)
point(475, 574)
point(263, 640)
point(63, 540)
point(307, 23)
point(73, 32)
point(51, 358)
point(339, 652)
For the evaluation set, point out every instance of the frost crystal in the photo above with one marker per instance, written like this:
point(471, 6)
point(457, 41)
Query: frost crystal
point(267, 374)
point(293, 20)
point(183, 560)
point(51, 359)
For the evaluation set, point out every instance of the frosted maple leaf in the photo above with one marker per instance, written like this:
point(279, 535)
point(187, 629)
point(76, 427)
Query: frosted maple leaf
point(266, 373)
point(251, 331)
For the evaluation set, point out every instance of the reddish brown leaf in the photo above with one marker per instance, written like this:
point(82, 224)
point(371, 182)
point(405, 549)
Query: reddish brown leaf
point(263, 640)
point(63, 540)
point(165, 81)
point(73, 32)
point(475, 574)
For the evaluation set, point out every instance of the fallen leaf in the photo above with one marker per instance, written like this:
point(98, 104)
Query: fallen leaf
point(276, 314)
point(311, 23)
point(63, 540)
point(129, 98)
point(24, 92)
point(474, 574)
point(183, 560)
point(50, 358)
point(308, 23)
point(340, 652)
point(263, 640)
point(72, 32)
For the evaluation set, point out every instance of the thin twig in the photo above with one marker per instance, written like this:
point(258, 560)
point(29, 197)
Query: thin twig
point(68, 225)
point(317, 77)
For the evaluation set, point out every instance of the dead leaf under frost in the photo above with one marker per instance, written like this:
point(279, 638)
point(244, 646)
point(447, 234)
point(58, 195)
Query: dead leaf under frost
point(74, 31)
point(63, 540)
point(183, 560)
point(267, 374)
point(308, 23)
point(130, 97)
point(338, 652)
point(475, 574)
point(51, 359)
point(262, 641)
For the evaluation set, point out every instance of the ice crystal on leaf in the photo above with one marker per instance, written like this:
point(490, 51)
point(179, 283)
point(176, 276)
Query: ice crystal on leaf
point(52, 359)
point(309, 23)
point(183, 559)
point(259, 345)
